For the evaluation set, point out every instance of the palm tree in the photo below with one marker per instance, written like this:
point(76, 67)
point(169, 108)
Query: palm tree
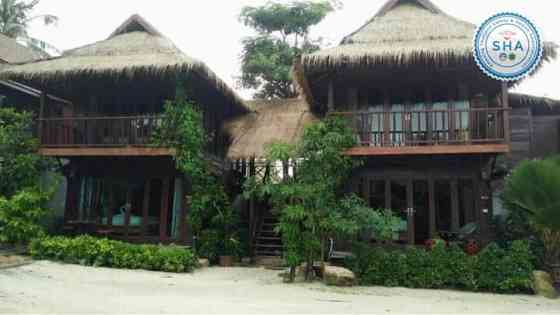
point(15, 17)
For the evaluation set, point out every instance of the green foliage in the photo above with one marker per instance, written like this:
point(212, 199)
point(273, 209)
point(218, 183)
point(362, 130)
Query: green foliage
point(20, 216)
point(531, 196)
point(19, 160)
point(210, 209)
point(90, 251)
point(493, 270)
point(282, 34)
point(15, 18)
point(312, 204)
point(533, 188)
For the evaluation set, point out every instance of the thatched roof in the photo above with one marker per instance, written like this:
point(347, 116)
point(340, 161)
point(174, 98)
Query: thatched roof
point(404, 32)
point(12, 52)
point(133, 48)
point(270, 121)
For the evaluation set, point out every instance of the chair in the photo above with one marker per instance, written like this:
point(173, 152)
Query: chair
point(464, 233)
point(337, 255)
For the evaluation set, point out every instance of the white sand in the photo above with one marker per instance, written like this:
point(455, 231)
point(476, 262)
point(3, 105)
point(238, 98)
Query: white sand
point(45, 287)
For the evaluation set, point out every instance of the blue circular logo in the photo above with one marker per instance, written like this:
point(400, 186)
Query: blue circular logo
point(508, 47)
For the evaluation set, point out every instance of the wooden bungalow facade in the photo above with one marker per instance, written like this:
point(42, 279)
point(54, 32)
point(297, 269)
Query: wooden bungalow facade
point(118, 184)
point(429, 124)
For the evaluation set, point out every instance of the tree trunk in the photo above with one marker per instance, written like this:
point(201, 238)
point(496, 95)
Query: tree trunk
point(292, 274)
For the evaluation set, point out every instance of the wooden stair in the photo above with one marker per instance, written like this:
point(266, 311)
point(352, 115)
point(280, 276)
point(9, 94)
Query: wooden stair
point(268, 244)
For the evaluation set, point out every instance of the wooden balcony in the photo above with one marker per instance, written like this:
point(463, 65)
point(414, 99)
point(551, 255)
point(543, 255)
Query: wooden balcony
point(420, 132)
point(99, 136)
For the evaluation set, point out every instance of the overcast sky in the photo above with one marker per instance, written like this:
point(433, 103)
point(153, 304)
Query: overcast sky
point(209, 30)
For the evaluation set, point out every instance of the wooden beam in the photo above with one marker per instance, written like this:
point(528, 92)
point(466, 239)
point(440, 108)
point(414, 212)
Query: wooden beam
point(164, 209)
point(505, 105)
point(386, 118)
point(331, 96)
point(432, 202)
point(429, 150)
point(183, 231)
point(43, 101)
point(388, 194)
point(127, 151)
point(128, 208)
point(146, 207)
point(455, 220)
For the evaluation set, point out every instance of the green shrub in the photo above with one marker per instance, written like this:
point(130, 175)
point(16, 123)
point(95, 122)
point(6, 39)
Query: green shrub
point(20, 216)
point(90, 251)
point(493, 270)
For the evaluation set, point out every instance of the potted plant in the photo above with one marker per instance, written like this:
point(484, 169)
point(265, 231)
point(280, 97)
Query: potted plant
point(230, 250)
point(226, 221)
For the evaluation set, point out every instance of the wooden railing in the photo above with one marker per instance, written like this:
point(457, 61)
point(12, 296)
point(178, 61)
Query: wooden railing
point(427, 127)
point(97, 131)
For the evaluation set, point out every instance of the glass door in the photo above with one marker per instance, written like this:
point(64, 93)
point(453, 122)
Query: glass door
point(401, 205)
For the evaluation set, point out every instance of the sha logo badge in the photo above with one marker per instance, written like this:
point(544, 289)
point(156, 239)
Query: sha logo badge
point(508, 47)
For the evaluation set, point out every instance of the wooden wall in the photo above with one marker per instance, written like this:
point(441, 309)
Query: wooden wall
point(535, 133)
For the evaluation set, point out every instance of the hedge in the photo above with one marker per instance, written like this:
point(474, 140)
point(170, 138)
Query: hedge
point(90, 251)
point(494, 269)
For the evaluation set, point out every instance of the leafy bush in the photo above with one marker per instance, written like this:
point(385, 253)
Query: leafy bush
point(19, 161)
point(20, 216)
point(90, 251)
point(493, 270)
point(531, 195)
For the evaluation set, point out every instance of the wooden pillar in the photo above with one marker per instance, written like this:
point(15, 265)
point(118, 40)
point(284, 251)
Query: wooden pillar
point(432, 202)
point(386, 119)
point(410, 211)
point(128, 206)
point(43, 101)
point(252, 215)
point(505, 105)
point(430, 115)
point(455, 205)
point(111, 207)
point(451, 98)
point(183, 231)
point(146, 207)
point(388, 194)
point(164, 210)
point(331, 97)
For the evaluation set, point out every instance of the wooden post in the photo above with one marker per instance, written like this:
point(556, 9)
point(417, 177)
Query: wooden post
point(252, 214)
point(455, 205)
point(388, 194)
point(386, 119)
point(410, 212)
point(43, 101)
point(164, 210)
point(430, 116)
point(432, 214)
point(128, 206)
point(146, 207)
point(183, 232)
point(111, 207)
point(331, 97)
point(451, 116)
point(353, 99)
point(505, 105)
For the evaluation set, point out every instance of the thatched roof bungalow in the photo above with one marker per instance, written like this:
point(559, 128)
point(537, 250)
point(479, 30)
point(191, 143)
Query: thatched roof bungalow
point(404, 37)
point(134, 52)
point(278, 120)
